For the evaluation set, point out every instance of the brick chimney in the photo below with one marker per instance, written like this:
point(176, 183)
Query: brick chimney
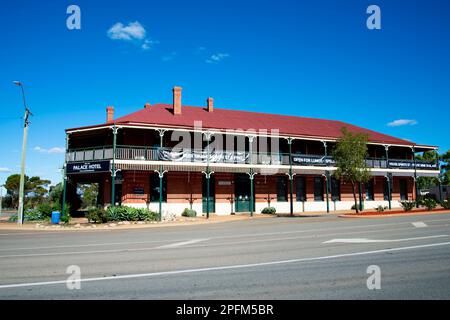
point(109, 114)
point(210, 104)
point(147, 106)
point(176, 100)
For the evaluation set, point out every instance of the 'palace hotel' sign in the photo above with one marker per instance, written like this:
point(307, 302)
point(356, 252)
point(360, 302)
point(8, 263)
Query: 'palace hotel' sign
point(88, 167)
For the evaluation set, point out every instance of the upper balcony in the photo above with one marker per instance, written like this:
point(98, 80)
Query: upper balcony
point(142, 153)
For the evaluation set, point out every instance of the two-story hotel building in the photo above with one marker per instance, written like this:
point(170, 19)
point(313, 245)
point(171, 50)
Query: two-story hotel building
point(232, 161)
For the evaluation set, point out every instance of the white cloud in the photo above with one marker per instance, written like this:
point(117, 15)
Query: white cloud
point(4, 169)
point(402, 122)
point(217, 57)
point(133, 32)
point(53, 150)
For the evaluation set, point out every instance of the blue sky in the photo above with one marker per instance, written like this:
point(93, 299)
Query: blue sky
point(309, 58)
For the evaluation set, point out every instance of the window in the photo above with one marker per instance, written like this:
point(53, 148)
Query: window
point(403, 189)
point(154, 188)
point(335, 189)
point(281, 189)
point(300, 188)
point(318, 189)
point(369, 190)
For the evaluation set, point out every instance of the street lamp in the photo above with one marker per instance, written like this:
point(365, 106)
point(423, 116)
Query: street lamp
point(24, 145)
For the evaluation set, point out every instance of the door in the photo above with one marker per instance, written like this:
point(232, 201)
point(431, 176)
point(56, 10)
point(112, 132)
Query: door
point(242, 192)
point(118, 194)
point(212, 194)
point(403, 189)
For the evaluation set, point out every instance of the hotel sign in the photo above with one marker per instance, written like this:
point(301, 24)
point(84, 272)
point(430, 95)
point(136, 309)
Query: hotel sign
point(410, 164)
point(88, 167)
point(311, 161)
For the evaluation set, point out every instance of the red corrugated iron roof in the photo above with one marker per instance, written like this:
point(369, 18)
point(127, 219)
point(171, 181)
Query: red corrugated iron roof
point(162, 115)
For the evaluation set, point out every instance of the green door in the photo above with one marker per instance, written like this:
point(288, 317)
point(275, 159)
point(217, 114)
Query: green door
point(242, 192)
point(212, 194)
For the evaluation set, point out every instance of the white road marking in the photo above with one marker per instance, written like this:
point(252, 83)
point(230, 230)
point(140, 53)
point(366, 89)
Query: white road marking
point(179, 244)
point(219, 268)
point(364, 240)
point(85, 245)
point(209, 244)
point(218, 237)
point(419, 224)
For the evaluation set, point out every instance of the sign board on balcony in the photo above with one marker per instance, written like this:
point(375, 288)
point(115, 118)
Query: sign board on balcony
point(410, 164)
point(224, 183)
point(88, 167)
point(311, 160)
point(187, 155)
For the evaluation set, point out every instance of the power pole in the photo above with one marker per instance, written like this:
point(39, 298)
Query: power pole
point(24, 149)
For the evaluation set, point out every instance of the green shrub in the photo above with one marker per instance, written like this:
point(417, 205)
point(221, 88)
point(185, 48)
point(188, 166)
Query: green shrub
point(97, 215)
point(29, 215)
point(34, 215)
point(429, 203)
point(123, 213)
point(66, 217)
point(446, 204)
point(380, 208)
point(146, 215)
point(189, 213)
point(408, 205)
point(45, 209)
point(269, 210)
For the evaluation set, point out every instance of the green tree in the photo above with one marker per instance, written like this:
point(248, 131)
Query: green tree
point(55, 193)
point(445, 167)
point(350, 155)
point(35, 189)
point(427, 182)
point(89, 193)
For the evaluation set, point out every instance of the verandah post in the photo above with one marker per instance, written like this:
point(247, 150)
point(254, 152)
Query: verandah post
point(63, 205)
point(327, 175)
point(413, 149)
point(291, 178)
point(388, 177)
point(113, 167)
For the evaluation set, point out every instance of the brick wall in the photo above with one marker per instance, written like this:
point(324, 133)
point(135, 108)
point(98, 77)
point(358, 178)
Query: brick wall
point(182, 186)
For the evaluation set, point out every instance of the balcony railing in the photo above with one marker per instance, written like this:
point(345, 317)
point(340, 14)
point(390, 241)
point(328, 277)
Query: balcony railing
point(236, 157)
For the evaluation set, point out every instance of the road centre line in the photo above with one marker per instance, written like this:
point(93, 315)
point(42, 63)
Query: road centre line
point(198, 245)
point(221, 268)
point(365, 240)
point(40, 232)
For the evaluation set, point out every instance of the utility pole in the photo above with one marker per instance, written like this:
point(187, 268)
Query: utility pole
point(24, 149)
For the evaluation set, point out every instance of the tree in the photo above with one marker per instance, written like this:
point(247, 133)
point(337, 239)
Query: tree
point(12, 188)
point(445, 167)
point(350, 155)
point(427, 182)
point(89, 193)
point(34, 188)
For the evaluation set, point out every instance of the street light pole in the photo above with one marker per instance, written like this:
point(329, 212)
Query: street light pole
point(24, 147)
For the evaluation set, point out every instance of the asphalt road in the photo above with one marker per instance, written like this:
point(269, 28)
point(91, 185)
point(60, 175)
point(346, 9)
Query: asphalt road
point(273, 258)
